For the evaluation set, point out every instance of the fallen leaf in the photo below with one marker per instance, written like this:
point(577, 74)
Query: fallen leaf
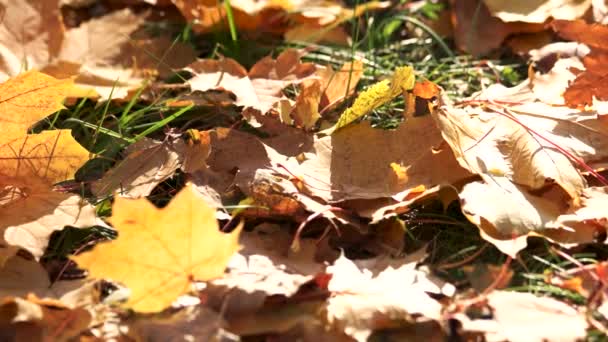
point(537, 11)
point(21, 277)
point(29, 320)
point(37, 40)
point(266, 266)
point(28, 221)
point(197, 322)
point(526, 158)
point(31, 163)
point(187, 246)
point(306, 109)
point(339, 84)
point(588, 87)
point(347, 165)
point(261, 87)
point(363, 299)
point(486, 32)
point(377, 95)
point(524, 317)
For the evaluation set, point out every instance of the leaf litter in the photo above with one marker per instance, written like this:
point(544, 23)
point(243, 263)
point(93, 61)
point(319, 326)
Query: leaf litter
point(300, 219)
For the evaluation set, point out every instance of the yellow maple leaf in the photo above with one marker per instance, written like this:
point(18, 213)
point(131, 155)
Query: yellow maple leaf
point(159, 252)
point(377, 95)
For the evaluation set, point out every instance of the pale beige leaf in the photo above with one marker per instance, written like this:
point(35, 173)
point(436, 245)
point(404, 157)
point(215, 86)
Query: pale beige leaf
point(524, 317)
point(28, 222)
point(537, 11)
point(364, 297)
point(31, 34)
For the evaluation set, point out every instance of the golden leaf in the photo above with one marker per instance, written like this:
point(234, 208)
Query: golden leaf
point(159, 252)
point(377, 95)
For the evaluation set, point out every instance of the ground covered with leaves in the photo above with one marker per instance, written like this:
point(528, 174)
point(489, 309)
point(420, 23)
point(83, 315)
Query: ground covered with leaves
point(311, 171)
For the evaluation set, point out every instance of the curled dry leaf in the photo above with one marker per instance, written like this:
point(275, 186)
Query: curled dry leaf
point(187, 246)
point(528, 153)
point(377, 95)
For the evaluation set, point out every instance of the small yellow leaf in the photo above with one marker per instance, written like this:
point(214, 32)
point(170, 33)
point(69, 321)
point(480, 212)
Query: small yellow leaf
point(159, 252)
point(377, 95)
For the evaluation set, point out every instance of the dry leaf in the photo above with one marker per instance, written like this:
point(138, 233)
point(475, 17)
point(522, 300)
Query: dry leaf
point(528, 153)
point(21, 277)
point(198, 322)
point(588, 87)
point(265, 266)
point(339, 84)
point(186, 243)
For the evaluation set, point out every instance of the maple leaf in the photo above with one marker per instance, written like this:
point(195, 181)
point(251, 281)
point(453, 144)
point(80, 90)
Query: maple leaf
point(159, 252)
point(38, 39)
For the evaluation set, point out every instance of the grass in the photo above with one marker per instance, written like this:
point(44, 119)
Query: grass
point(380, 43)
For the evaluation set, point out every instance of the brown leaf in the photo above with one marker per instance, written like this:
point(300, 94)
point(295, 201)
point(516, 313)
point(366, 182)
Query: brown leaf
point(594, 35)
point(30, 320)
point(21, 277)
point(347, 165)
point(485, 33)
point(261, 87)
